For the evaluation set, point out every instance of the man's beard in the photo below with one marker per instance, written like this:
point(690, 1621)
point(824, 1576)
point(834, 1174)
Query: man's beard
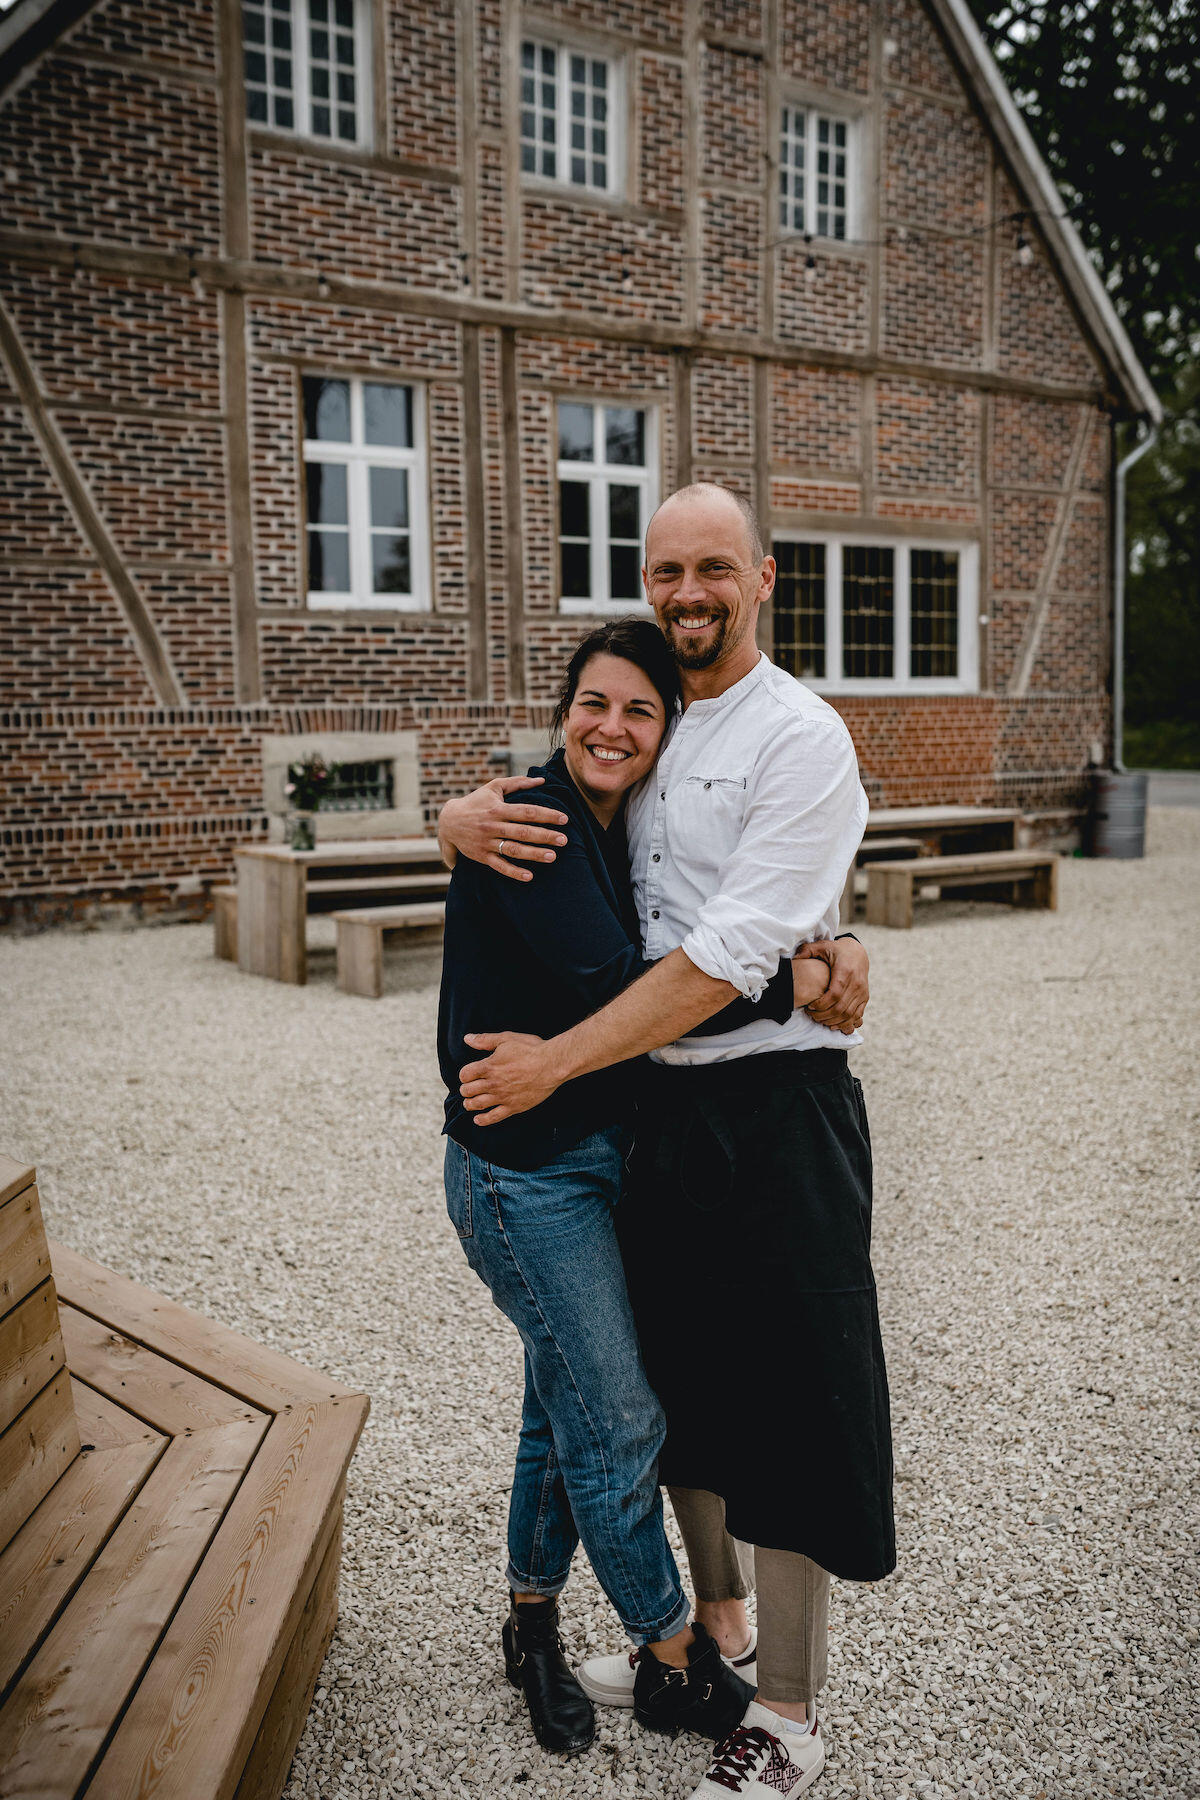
point(690, 653)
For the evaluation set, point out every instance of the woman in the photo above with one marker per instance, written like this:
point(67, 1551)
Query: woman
point(532, 1198)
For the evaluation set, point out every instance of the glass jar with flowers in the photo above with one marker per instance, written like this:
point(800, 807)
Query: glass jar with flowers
point(308, 782)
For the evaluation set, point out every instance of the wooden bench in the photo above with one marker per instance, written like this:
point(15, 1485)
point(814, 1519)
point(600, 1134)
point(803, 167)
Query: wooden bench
point(1017, 877)
point(224, 901)
point(360, 941)
point(872, 850)
point(168, 1581)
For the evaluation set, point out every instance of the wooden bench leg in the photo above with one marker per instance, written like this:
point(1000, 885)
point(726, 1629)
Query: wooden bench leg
point(360, 958)
point(225, 926)
point(890, 896)
point(849, 900)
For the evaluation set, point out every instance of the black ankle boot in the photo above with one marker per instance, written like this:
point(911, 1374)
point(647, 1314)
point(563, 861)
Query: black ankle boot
point(533, 1661)
point(706, 1696)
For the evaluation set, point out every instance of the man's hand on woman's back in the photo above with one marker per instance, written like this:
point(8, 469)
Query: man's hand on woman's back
point(476, 824)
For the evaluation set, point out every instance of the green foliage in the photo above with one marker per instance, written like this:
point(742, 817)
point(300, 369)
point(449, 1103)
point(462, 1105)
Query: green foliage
point(1162, 679)
point(1108, 90)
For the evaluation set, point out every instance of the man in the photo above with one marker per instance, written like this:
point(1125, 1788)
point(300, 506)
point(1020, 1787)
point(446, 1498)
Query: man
point(746, 1228)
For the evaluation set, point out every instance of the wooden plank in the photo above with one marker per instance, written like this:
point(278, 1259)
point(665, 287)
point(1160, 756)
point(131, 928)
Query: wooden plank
point(913, 818)
point(413, 912)
point(262, 1377)
point(167, 1396)
point(381, 884)
point(58, 1542)
point(14, 1177)
point(360, 957)
point(34, 1451)
point(267, 1767)
point(224, 901)
point(346, 851)
point(983, 862)
point(24, 1258)
point(62, 1708)
point(190, 1727)
point(31, 1350)
point(270, 912)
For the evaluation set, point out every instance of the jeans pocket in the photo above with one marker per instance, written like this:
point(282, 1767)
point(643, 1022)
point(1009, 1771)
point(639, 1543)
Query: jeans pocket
point(458, 1189)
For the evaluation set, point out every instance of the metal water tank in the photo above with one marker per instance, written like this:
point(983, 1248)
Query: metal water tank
point(1117, 814)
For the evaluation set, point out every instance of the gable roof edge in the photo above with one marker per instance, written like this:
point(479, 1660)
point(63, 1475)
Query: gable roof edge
point(1087, 289)
point(28, 31)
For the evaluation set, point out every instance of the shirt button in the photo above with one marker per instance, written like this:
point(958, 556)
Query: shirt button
point(654, 914)
point(707, 785)
point(663, 795)
point(656, 857)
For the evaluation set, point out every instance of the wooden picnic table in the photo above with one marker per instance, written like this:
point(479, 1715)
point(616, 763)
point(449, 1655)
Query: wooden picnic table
point(276, 886)
point(987, 827)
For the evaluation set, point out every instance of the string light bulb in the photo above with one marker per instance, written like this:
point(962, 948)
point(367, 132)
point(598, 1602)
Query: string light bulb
point(322, 279)
point(464, 269)
point(1024, 247)
point(626, 282)
point(197, 286)
point(76, 266)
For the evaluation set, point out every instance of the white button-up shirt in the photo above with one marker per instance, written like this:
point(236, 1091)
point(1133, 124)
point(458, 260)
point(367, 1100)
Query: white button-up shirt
point(739, 844)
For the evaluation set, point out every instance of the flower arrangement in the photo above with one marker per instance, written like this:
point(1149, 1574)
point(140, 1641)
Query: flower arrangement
point(308, 782)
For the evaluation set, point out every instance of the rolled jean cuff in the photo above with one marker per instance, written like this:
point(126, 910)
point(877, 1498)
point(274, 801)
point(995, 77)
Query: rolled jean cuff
point(654, 1634)
point(548, 1586)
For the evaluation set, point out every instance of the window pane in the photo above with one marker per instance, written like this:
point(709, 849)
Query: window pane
point(576, 431)
point(933, 612)
point(329, 562)
point(284, 114)
point(576, 571)
point(347, 127)
point(624, 572)
point(573, 509)
point(625, 435)
point(320, 121)
point(327, 502)
point(256, 106)
point(578, 171)
point(327, 410)
point(391, 565)
point(868, 607)
point(624, 515)
point(389, 498)
point(798, 609)
point(387, 415)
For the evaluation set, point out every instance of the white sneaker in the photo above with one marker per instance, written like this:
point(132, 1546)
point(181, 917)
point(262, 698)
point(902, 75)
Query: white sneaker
point(762, 1758)
point(608, 1680)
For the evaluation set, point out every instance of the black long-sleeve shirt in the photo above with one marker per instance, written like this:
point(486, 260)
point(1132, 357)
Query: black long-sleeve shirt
point(541, 955)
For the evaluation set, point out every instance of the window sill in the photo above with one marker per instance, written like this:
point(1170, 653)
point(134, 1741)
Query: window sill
point(888, 688)
point(599, 609)
point(372, 603)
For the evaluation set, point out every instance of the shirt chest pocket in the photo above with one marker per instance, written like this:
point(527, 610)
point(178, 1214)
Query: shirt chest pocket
point(708, 812)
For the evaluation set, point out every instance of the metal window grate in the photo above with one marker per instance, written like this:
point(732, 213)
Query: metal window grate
point(360, 787)
point(933, 612)
point(799, 609)
point(868, 610)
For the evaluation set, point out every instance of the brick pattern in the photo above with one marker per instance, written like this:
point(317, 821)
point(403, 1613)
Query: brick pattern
point(577, 258)
point(733, 18)
point(422, 66)
point(827, 44)
point(113, 339)
point(919, 57)
point(926, 437)
point(101, 183)
point(661, 125)
point(310, 211)
point(936, 165)
point(111, 796)
point(815, 417)
point(827, 307)
point(731, 117)
point(933, 301)
point(731, 270)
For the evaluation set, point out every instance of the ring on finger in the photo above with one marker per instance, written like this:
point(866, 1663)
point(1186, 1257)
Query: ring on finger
point(500, 847)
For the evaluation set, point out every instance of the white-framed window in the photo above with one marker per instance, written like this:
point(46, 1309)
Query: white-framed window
point(568, 115)
point(366, 517)
point(854, 615)
point(307, 67)
point(606, 493)
point(816, 172)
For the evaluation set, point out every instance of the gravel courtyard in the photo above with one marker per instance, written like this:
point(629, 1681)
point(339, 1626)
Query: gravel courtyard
point(271, 1156)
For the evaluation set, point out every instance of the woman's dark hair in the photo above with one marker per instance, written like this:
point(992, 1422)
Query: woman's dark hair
point(636, 641)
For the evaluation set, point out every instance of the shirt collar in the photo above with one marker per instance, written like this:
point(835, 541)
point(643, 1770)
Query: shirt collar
point(704, 709)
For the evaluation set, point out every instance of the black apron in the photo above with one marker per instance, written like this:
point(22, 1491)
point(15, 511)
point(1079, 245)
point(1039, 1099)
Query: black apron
point(749, 1202)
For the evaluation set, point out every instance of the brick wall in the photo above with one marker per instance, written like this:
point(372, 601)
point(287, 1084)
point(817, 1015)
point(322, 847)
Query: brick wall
point(113, 149)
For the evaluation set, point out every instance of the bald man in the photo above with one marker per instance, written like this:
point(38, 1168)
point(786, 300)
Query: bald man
point(746, 1227)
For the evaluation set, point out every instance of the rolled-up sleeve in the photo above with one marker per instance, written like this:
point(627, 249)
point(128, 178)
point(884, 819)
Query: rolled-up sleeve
point(803, 824)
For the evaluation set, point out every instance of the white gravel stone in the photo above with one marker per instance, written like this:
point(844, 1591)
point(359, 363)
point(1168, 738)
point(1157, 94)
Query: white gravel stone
point(271, 1156)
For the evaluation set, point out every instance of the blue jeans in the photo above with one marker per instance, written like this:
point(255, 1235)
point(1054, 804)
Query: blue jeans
point(543, 1241)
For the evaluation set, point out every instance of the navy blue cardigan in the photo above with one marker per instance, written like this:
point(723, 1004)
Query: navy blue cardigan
point(541, 955)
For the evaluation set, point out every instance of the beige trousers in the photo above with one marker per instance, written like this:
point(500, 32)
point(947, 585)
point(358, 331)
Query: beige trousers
point(793, 1595)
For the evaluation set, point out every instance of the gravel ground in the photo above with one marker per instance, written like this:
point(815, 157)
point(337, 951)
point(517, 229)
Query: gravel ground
point(271, 1156)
